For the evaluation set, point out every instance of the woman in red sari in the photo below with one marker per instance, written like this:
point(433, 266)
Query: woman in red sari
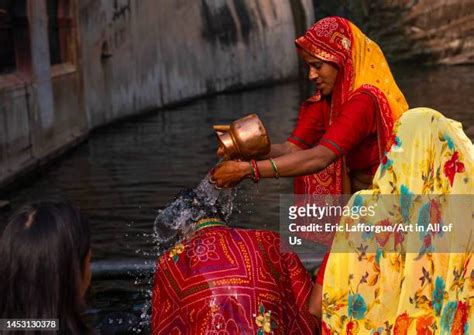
point(342, 130)
point(230, 281)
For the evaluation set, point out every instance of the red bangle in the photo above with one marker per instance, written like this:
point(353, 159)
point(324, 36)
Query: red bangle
point(256, 173)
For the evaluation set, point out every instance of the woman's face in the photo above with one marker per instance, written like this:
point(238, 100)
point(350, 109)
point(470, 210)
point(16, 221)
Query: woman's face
point(324, 74)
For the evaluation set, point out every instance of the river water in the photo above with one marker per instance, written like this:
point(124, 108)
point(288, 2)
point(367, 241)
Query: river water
point(127, 171)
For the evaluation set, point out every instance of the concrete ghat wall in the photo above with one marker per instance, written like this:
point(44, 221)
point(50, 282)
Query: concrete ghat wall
point(131, 56)
point(41, 106)
point(146, 54)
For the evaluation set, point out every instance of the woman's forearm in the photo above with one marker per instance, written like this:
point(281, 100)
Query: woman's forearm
point(303, 162)
point(298, 163)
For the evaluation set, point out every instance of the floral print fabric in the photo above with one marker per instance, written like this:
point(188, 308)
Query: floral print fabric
point(370, 290)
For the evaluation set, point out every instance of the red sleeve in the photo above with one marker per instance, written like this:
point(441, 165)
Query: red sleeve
point(310, 125)
point(356, 122)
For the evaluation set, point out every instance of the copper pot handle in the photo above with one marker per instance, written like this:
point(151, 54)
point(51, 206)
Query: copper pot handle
point(224, 128)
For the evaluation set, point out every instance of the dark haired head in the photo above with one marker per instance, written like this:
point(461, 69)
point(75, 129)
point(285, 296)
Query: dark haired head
point(43, 253)
point(200, 204)
point(178, 218)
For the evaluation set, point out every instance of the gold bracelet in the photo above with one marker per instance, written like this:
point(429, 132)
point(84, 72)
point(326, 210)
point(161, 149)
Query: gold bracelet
point(275, 168)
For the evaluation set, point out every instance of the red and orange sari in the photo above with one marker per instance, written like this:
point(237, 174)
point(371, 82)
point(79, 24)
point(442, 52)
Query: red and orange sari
point(362, 68)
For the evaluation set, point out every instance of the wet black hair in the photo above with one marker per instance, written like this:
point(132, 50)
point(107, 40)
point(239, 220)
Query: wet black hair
point(189, 206)
point(201, 206)
point(42, 254)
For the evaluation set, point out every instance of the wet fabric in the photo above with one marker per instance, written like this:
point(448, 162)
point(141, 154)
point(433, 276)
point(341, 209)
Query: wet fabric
point(362, 68)
point(231, 281)
point(398, 289)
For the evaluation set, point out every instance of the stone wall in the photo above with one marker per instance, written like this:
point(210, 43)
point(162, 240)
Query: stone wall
point(126, 57)
point(41, 105)
point(422, 31)
point(140, 55)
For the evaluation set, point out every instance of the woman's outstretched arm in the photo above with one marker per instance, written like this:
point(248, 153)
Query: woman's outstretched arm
point(298, 163)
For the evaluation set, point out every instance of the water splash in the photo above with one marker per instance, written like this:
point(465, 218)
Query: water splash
point(177, 221)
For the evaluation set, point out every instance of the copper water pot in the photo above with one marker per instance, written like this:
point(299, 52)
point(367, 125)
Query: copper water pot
point(245, 138)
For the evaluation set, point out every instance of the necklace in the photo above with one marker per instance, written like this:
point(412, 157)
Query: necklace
point(208, 222)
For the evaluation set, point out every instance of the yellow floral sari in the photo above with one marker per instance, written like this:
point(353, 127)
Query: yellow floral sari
point(368, 290)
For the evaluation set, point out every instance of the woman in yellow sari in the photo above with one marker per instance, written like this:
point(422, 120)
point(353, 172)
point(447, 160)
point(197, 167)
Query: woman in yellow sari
point(418, 282)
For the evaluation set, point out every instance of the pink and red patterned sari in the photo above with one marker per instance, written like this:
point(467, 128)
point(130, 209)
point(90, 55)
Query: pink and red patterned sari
point(231, 281)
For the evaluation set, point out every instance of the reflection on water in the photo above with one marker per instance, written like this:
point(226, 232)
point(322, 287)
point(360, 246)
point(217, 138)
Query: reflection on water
point(127, 171)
